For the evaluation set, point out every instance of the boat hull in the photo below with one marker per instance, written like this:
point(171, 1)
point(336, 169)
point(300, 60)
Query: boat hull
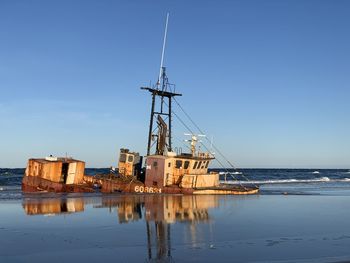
point(38, 184)
point(112, 185)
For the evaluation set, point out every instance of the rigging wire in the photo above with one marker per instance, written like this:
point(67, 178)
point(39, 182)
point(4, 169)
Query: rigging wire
point(191, 131)
point(183, 143)
point(215, 148)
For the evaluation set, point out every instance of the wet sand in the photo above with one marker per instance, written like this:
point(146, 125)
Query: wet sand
point(119, 228)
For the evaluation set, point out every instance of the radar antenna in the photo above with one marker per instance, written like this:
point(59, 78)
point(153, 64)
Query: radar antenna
point(193, 141)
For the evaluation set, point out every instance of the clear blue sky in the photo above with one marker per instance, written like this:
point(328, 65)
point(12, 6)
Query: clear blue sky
point(270, 80)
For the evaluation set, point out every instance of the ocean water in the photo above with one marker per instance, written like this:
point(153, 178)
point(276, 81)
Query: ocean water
point(299, 216)
point(270, 181)
point(175, 228)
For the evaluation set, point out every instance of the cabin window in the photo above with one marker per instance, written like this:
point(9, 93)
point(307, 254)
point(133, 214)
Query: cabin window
point(130, 158)
point(178, 164)
point(199, 165)
point(122, 158)
point(187, 163)
point(195, 165)
point(155, 164)
point(169, 164)
point(203, 165)
point(206, 166)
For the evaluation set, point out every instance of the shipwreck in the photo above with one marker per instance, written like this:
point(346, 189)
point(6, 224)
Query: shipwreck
point(164, 170)
point(54, 174)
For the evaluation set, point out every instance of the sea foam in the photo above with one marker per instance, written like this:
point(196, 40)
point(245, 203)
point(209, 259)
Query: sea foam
point(286, 181)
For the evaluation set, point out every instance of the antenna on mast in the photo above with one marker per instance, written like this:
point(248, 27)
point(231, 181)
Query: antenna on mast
point(163, 50)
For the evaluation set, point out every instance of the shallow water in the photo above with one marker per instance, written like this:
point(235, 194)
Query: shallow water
point(174, 228)
point(287, 222)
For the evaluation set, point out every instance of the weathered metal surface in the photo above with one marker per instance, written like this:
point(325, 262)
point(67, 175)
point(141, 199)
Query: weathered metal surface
point(130, 163)
point(55, 175)
point(38, 184)
point(155, 166)
point(164, 175)
point(121, 185)
point(200, 180)
point(60, 170)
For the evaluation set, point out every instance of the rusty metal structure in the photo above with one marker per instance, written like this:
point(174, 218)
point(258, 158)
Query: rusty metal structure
point(165, 171)
point(54, 174)
point(130, 163)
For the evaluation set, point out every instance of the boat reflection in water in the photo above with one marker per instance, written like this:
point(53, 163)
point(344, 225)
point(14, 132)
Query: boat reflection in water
point(158, 212)
point(168, 209)
point(52, 206)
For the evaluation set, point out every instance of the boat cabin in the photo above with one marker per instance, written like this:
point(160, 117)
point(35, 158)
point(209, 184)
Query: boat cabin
point(183, 170)
point(130, 163)
point(58, 170)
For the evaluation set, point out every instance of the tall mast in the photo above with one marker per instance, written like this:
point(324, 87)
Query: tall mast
point(160, 94)
point(163, 50)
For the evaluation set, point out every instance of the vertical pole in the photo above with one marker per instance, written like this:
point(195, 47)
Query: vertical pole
point(163, 49)
point(151, 125)
point(164, 88)
point(149, 245)
point(170, 148)
point(169, 241)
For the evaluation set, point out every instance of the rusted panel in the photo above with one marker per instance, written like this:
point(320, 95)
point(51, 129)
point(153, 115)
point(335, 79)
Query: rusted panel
point(79, 175)
point(119, 185)
point(50, 171)
point(53, 171)
point(197, 181)
point(37, 184)
point(126, 168)
point(155, 171)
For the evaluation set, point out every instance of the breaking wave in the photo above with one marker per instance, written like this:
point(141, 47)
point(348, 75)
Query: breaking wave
point(288, 181)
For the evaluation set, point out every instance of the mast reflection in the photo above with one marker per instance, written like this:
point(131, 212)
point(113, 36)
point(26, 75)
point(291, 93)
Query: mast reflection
point(160, 212)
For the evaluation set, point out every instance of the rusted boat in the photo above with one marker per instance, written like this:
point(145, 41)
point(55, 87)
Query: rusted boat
point(168, 173)
point(52, 174)
point(166, 170)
